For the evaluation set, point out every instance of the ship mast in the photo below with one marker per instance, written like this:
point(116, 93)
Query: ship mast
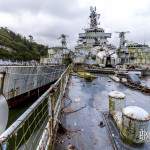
point(122, 39)
point(63, 39)
point(94, 17)
point(123, 49)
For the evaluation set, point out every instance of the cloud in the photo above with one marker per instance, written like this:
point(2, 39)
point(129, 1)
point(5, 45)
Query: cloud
point(58, 8)
point(47, 19)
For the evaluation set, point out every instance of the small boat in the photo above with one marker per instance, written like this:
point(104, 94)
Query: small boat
point(86, 75)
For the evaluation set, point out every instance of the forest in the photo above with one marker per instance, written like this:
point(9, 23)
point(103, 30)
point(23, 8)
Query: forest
point(14, 46)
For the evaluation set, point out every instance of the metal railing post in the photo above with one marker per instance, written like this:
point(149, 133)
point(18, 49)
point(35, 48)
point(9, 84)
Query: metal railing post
point(52, 99)
point(50, 114)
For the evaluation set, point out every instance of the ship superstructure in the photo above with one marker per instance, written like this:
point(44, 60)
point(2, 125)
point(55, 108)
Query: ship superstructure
point(93, 42)
point(63, 39)
point(139, 54)
point(123, 49)
point(57, 54)
point(132, 53)
point(93, 35)
point(19, 84)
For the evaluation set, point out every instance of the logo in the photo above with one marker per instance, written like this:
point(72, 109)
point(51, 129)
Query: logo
point(144, 135)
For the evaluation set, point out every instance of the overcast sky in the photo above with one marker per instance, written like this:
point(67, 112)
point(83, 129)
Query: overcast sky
point(47, 19)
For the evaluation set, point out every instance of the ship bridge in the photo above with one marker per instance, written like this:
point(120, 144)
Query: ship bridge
point(94, 32)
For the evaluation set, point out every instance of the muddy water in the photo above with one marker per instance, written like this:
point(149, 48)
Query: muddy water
point(83, 115)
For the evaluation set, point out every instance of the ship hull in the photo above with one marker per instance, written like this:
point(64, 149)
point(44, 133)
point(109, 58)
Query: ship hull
point(28, 97)
point(23, 84)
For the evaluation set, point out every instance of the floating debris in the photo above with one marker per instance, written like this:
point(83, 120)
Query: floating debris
point(86, 75)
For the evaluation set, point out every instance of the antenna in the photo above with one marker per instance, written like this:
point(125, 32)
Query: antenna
point(94, 17)
point(122, 38)
point(63, 38)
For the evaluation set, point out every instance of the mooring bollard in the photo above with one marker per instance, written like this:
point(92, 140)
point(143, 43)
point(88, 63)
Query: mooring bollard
point(116, 102)
point(135, 121)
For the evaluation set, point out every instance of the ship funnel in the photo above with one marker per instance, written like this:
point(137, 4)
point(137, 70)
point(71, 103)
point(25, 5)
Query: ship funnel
point(3, 113)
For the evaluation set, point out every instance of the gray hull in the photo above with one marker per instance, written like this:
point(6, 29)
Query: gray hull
point(18, 83)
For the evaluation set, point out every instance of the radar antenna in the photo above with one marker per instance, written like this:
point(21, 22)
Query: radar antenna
point(94, 17)
point(63, 39)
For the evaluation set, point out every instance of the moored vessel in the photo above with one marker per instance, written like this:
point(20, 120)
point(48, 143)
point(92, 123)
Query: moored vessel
point(20, 84)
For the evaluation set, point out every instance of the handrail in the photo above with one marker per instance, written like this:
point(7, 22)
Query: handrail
point(20, 121)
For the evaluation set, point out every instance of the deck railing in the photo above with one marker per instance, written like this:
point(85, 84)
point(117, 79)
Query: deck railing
point(36, 127)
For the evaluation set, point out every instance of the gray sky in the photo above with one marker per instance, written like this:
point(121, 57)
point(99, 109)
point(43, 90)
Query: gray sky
point(47, 19)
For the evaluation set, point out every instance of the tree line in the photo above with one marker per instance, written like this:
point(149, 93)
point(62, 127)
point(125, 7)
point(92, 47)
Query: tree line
point(20, 48)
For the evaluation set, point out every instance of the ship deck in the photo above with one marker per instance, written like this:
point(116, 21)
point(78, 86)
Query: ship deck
point(85, 103)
